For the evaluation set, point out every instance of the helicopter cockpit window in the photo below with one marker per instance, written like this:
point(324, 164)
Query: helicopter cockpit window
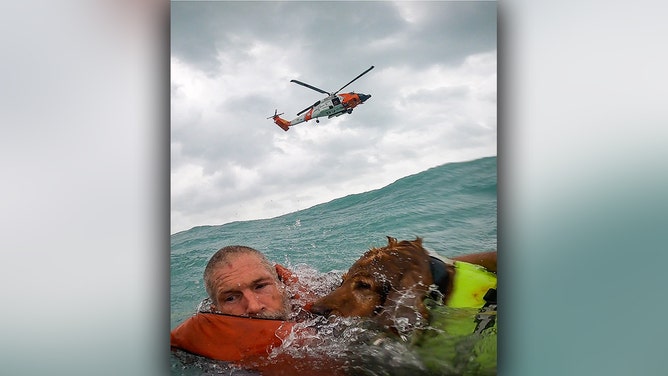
point(336, 101)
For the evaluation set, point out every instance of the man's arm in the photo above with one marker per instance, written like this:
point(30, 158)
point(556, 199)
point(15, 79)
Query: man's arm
point(485, 259)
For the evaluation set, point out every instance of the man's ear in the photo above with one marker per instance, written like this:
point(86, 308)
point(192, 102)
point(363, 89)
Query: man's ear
point(213, 307)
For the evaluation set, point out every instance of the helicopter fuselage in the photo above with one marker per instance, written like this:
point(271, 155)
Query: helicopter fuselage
point(333, 105)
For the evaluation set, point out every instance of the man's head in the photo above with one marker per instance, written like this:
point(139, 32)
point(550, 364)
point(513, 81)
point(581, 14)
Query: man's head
point(241, 281)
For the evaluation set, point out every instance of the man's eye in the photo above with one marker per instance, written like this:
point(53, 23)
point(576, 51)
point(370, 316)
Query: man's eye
point(260, 286)
point(230, 299)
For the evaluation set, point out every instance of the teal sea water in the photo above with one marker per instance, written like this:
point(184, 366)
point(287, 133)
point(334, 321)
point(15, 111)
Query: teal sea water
point(453, 207)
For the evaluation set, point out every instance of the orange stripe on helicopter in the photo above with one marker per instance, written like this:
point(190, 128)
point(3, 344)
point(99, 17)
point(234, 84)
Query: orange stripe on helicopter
point(281, 122)
point(308, 115)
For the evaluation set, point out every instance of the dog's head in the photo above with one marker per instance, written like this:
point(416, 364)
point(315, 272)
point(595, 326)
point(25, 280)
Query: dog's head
point(388, 283)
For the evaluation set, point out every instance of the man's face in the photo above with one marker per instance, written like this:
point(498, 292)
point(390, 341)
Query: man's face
point(244, 287)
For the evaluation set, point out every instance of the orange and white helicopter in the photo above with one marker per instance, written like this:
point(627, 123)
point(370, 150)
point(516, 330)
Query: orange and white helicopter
point(334, 105)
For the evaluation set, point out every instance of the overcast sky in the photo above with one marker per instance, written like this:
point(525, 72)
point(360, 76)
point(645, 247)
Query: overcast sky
point(434, 94)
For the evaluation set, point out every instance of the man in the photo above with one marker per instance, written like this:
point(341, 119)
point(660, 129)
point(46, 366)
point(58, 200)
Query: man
point(245, 314)
point(241, 281)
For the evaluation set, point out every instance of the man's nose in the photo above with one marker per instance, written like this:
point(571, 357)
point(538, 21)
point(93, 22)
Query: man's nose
point(254, 305)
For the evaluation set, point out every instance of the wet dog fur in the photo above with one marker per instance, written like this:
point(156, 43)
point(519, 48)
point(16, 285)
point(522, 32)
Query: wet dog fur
point(391, 283)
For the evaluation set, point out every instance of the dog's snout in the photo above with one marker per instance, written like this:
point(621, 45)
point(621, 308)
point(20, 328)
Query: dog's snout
point(321, 309)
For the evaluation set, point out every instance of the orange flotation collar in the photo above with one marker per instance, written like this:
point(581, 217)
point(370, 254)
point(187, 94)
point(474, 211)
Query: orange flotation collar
point(247, 342)
point(229, 338)
point(233, 338)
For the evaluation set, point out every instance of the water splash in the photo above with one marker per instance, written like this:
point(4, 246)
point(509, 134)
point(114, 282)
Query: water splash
point(317, 345)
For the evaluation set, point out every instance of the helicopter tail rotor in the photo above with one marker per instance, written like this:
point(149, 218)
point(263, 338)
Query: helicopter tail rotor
point(284, 124)
point(275, 115)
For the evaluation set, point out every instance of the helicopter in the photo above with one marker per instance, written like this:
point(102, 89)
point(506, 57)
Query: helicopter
point(334, 104)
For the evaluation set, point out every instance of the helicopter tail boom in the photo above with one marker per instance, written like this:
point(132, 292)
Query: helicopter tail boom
point(281, 122)
point(284, 124)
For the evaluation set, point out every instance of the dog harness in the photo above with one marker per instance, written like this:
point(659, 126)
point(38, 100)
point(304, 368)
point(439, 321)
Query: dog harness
point(473, 286)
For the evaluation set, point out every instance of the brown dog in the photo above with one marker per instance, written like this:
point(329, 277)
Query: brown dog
point(391, 283)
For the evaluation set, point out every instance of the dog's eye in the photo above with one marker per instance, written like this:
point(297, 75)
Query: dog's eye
point(361, 285)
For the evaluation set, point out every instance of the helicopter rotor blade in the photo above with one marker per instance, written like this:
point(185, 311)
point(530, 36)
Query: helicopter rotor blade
point(304, 110)
point(309, 86)
point(353, 80)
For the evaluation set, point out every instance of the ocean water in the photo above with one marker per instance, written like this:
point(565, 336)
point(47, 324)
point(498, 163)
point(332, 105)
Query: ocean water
point(453, 207)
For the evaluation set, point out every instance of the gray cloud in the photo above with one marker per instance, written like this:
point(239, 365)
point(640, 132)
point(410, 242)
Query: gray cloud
point(433, 100)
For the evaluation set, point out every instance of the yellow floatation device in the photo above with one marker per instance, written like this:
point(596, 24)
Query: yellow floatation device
point(461, 337)
point(471, 293)
point(472, 286)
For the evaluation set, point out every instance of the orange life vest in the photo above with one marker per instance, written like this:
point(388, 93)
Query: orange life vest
point(233, 338)
point(247, 341)
point(229, 338)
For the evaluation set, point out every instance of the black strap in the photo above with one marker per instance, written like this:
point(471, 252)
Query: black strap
point(486, 318)
point(439, 273)
point(490, 297)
